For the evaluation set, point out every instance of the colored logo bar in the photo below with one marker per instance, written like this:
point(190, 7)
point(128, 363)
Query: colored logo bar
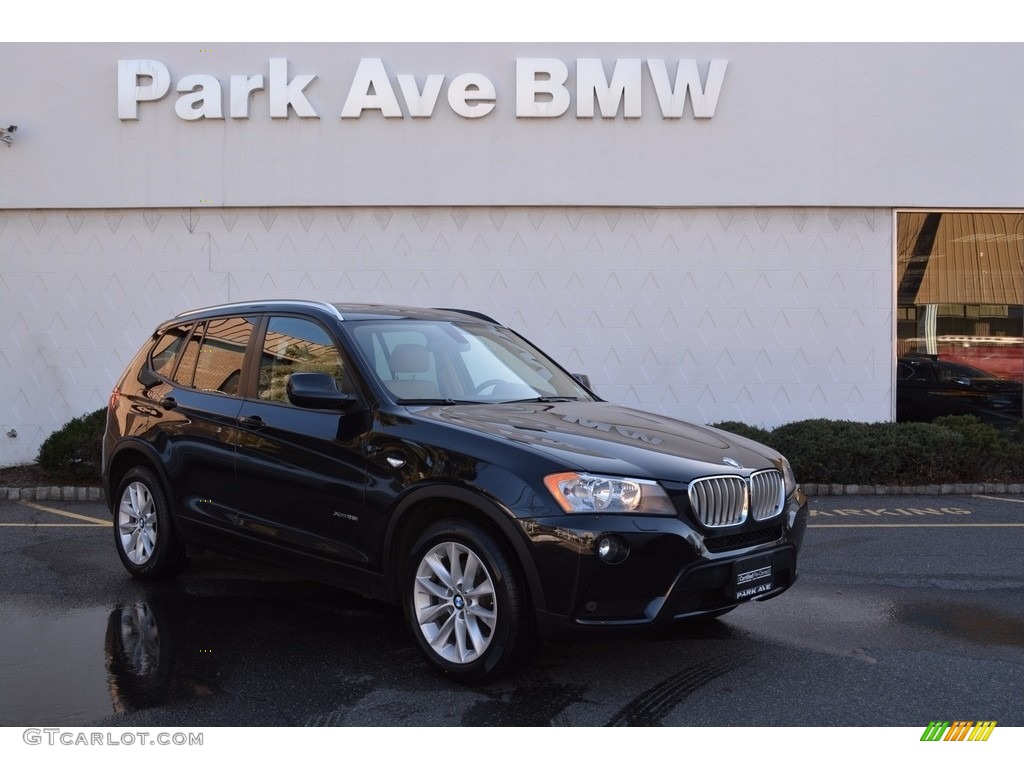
point(958, 730)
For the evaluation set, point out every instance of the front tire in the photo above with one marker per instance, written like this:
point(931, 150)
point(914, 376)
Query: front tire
point(144, 533)
point(465, 602)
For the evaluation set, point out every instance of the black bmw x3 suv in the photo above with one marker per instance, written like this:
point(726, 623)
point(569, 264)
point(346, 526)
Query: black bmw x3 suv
point(435, 459)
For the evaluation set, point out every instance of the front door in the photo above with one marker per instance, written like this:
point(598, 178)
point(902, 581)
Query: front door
point(300, 474)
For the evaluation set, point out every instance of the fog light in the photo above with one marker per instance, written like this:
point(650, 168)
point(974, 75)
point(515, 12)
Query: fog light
point(611, 549)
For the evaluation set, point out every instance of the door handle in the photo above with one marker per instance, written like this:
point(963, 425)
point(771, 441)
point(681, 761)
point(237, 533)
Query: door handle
point(253, 422)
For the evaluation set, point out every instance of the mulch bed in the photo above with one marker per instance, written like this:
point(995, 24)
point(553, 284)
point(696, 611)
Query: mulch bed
point(32, 476)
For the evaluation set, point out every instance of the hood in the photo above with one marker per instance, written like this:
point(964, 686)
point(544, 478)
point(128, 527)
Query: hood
point(606, 438)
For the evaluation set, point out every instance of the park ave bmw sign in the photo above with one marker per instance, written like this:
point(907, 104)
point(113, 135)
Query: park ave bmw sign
point(544, 88)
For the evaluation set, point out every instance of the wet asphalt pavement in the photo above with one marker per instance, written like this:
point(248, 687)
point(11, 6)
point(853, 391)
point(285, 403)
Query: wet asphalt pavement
point(907, 610)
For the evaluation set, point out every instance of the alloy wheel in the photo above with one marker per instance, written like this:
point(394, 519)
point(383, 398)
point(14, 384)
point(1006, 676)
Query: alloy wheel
point(137, 523)
point(455, 603)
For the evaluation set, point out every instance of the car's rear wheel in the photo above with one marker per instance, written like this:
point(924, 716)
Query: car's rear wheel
point(143, 531)
point(465, 602)
point(139, 657)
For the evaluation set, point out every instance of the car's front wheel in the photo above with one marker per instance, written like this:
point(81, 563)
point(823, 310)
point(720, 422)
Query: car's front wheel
point(143, 531)
point(465, 602)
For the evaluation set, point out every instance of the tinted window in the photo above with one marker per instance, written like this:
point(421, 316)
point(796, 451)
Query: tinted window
point(221, 353)
point(422, 360)
point(168, 348)
point(186, 370)
point(295, 345)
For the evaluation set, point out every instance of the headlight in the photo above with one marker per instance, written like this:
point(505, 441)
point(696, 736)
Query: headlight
point(789, 477)
point(580, 492)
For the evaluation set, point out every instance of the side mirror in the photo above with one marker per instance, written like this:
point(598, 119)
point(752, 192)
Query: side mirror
point(583, 379)
point(316, 390)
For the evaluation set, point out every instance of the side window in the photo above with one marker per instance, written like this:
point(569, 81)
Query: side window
point(167, 350)
point(220, 356)
point(295, 345)
point(186, 370)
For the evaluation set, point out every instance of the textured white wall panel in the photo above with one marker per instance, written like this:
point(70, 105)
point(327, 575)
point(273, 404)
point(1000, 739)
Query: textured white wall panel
point(760, 315)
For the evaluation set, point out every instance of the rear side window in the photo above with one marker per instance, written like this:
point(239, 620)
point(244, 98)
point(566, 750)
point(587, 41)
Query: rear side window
point(220, 355)
point(167, 350)
point(186, 368)
point(208, 356)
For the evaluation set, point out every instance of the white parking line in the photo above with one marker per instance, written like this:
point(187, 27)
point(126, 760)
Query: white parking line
point(916, 525)
point(998, 498)
point(54, 525)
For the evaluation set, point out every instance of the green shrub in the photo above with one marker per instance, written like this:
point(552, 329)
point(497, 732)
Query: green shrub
point(74, 451)
point(744, 430)
point(984, 452)
point(828, 451)
point(950, 450)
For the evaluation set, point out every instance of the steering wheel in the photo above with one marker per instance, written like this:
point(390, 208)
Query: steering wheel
point(490, 383)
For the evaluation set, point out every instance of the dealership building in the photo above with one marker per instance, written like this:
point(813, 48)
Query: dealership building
point(734, 231)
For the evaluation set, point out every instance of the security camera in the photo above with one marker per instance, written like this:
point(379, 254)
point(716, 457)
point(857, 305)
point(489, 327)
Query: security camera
point(6, 134)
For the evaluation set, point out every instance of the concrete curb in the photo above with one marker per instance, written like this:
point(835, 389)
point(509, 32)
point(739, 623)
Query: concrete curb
point(52, 493)
point(93, 493)
point(943, 489)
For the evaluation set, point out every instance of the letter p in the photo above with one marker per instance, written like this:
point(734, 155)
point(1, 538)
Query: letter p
point(129, 90)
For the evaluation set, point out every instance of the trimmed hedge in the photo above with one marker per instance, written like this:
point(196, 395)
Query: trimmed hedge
point(952, 449)
point(75, 450)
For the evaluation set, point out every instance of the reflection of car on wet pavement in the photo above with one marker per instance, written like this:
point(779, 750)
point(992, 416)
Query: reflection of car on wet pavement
point(436, 460)
point(169, 647)
point(927, 387)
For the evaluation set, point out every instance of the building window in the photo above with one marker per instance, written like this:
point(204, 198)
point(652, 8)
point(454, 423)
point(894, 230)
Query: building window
point(960, 315)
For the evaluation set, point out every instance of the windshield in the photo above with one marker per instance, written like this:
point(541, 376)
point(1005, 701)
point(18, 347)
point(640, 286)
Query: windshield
point(426, 361)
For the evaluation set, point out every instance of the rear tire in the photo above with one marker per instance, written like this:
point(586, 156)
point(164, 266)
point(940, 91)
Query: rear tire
point(144, 533)
point(465, 602)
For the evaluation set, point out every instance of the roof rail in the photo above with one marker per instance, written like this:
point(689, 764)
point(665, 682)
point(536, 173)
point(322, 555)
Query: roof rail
point(260, 303)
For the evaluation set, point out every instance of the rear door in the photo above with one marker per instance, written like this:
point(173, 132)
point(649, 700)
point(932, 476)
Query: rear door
point(197, 402)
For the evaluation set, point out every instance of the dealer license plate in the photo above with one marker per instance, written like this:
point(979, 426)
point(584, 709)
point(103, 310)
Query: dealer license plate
point(752, 577)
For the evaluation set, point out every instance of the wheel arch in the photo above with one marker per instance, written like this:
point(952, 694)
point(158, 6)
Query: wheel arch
point(427, 505)
point(131, 454)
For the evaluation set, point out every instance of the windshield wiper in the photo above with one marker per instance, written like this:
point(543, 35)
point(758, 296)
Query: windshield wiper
point(543, 399)
point(437, 401)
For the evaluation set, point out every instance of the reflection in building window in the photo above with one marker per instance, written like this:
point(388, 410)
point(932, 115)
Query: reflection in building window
point(960, 308)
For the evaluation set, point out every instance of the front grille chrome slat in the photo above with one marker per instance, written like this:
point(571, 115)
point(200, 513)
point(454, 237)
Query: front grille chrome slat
point(724, 501)
point(768, 491)
point(719, 502)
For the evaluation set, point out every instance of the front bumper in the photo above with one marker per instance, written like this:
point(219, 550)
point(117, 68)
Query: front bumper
point(672, 571)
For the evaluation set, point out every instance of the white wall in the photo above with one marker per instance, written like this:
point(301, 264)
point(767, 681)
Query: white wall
point(765, 315)
point(912, 125)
